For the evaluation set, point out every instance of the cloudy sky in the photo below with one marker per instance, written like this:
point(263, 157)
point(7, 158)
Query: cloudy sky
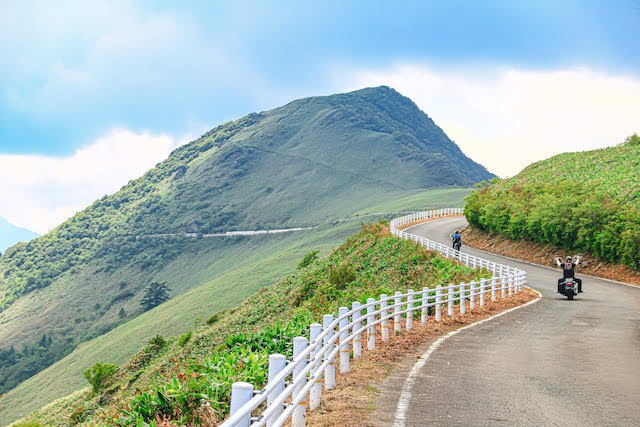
point(92, 94)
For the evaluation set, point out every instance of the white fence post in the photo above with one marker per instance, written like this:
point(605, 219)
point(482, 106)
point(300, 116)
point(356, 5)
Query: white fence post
point(410, 308)
point(330, 371)
point(483, 287)
point(315, 394)
point(371, 330)
point(277, 363)
point(344, 344)
point(423, 304)
point(503, 288)
point(472, 295)
point(438, 303)
point(463, 305)
point(397, 319)
point(298, 418)
point(384, 326)
point(357, 340)
point(241, 393)
point(493, 289)
point(450, 300)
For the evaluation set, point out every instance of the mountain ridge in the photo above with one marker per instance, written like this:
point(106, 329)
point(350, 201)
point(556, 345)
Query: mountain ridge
point(11, 234)
point(309, 162)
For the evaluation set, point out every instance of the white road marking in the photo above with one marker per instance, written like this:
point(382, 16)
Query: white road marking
point(405, 395)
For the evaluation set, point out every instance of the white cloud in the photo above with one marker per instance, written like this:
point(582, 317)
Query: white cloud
point(506, 118)
point(39, 192)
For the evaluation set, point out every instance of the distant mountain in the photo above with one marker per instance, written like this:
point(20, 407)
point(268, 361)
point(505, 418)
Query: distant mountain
point(11, 234)
point(309, 162)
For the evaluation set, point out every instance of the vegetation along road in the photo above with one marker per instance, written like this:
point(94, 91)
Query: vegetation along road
point(555, 362)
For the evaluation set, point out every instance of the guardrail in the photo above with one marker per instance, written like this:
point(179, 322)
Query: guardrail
point(297, 384)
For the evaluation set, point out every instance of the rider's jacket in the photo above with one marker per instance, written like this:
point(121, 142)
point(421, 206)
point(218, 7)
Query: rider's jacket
point(569, 270)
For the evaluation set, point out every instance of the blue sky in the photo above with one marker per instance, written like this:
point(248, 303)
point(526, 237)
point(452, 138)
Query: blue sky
point(76, 74)
point(65, 83)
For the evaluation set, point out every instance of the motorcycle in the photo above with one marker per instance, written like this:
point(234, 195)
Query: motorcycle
point(568, 288)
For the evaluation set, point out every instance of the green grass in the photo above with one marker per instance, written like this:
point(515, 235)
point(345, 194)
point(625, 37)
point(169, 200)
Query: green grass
point(586, 201)
point(175, 381)
point(312, 161)
point(259, 262)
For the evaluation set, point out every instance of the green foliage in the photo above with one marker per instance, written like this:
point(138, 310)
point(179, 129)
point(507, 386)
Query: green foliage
point(99, 375)
point(633, 140)
point(190, 380)
point(308, 259)
point(586, 201)
point(341, 276)
point(157, 343)
point(223, 181)
point(154, 295)
point(184, 338)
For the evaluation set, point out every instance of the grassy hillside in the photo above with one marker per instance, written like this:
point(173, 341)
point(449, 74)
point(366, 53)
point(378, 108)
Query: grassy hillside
point(272, 257)
point(587, 201)
point(188, 379)
point(309, 162)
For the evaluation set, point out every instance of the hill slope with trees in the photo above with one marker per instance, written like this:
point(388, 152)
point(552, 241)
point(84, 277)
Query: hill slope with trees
point(310, 162)
point(586, 201)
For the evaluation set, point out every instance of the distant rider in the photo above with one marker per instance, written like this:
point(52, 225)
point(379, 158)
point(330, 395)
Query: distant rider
point(456, 238)
point(569, 270)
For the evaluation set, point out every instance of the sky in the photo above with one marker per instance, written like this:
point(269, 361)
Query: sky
point(93, 94)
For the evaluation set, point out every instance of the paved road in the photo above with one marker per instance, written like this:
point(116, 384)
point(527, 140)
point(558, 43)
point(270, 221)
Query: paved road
point(556, 362)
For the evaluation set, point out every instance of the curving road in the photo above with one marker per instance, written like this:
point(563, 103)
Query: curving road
point(555, 362)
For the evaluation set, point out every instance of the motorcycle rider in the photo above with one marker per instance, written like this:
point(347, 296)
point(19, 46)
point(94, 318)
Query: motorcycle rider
point(569, 271)
point(456, 238)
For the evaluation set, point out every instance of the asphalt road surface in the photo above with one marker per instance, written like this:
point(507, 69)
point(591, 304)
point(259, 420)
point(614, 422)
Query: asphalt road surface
point(555, 362)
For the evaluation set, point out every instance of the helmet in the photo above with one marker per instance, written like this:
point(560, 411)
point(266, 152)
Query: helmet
point(457, 232)
point(568, 258)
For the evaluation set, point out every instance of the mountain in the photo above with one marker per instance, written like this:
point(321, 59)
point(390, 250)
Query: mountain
point(10, 234)
point(309, 163)
point(585, 201)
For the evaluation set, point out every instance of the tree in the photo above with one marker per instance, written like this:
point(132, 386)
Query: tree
point(99, 374)
point(122, 314)
point(632, 140)
point(154, 295)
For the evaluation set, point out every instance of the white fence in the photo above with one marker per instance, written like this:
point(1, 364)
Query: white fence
point(293, 386)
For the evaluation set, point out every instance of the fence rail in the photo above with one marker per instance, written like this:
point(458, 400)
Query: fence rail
point(295, 385)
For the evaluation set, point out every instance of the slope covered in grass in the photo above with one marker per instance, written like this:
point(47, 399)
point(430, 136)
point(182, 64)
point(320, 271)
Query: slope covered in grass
point(259, 261)
point(310, 162)
point(188, 378)
point(586, 201)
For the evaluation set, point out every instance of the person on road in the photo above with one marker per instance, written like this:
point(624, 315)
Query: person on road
point(569, 271)
point(456, 238)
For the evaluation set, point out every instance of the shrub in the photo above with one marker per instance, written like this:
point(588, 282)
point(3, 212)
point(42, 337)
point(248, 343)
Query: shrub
point(341, 276)
point(184, 338)
point(99, 375)
point(308, 259)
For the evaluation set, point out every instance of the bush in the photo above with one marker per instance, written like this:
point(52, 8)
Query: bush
point(586, 201)
point(341, 276)
point(308, 259)
point(99, 375)
point(184, 338)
